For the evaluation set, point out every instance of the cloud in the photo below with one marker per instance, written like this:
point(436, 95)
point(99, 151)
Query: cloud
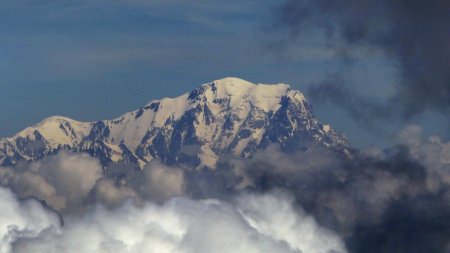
point(18, 220)
point(365, 110)
point(273, 215)
point(111, 194)
point(161, 182)
point(433, 153)
point(413, 34)
point(56, 181)
point(178, 225)
point(63, 181)
point(70, 182)
point(362, 196)
point(366, 196)
point(73, 175)
point(31, 184)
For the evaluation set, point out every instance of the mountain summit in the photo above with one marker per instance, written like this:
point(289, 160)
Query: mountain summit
point(227, 116)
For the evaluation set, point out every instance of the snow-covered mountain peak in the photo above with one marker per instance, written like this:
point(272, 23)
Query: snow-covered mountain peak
point(238, 91)
point(230, 86)
point(229, 115)
point(55, 118)
point(57, 130)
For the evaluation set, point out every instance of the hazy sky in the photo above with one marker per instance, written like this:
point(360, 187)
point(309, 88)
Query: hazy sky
point(96, 59)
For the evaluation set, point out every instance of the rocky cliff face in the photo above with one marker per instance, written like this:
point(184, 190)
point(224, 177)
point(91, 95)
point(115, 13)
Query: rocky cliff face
point(228, 116)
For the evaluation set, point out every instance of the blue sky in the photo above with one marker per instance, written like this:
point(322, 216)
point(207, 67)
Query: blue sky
point(96, 59)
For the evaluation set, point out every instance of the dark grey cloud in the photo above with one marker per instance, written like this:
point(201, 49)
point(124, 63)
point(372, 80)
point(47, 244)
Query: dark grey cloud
point(365, 110)
point(414, 34)
point(377, 200)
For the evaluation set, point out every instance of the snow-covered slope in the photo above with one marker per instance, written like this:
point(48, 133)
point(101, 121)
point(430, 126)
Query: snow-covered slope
point(225, 116)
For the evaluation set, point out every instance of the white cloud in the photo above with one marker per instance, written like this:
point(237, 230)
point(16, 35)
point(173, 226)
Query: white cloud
point(274, 216)
point(252, 223)
point(22, 220)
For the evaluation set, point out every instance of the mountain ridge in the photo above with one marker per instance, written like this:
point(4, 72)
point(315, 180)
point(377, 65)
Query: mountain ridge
point(225, 116)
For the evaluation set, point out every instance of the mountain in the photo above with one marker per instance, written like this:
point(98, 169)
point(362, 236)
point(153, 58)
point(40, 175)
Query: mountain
point(227, 116)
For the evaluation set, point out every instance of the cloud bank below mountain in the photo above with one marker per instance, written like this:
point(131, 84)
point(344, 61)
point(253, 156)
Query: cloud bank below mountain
point(355, 199)
point(252, 223)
